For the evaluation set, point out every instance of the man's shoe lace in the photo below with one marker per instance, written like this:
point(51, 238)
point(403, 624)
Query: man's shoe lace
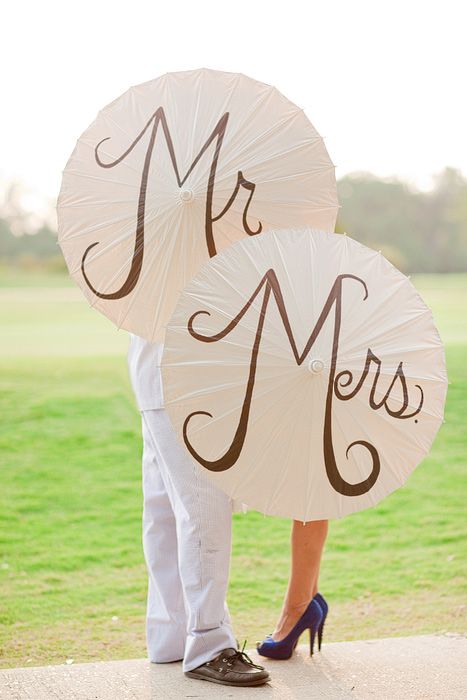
point(241, 655)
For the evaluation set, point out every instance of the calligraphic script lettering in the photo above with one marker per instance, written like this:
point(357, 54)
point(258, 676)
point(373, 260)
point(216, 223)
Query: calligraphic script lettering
point(216, 135)
point(270, 284)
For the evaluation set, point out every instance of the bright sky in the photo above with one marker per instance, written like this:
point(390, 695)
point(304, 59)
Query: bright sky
point(383, 81)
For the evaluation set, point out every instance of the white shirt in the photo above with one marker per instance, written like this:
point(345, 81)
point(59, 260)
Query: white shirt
point(144, 364)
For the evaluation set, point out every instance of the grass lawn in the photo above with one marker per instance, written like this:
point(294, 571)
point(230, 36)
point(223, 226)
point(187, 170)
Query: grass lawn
point(72, 576)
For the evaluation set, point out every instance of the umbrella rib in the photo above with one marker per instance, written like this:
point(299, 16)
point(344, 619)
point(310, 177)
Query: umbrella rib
point(132, 299)
point(97, 227)
point(104, 179)
point(336, 420)
point(114, 242)
point(276, 127)
point(310, 468)
point(293, 151)
point(259, 394)
point(284, 475)
point(269, 409)
point(227, 142)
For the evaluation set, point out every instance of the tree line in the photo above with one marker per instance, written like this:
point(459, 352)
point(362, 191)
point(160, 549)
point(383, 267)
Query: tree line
point(418, 231)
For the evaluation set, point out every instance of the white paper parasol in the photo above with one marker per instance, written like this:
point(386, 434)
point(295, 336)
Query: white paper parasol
point(304, 374)
point(175, 170)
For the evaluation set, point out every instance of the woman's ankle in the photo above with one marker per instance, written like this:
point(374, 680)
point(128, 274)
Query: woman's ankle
point(290, 615)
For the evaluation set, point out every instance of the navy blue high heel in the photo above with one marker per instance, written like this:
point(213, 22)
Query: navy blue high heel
point(324, 609)
point(311, 620)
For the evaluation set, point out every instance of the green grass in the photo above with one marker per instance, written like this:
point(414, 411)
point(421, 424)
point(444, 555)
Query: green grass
point(70, 500)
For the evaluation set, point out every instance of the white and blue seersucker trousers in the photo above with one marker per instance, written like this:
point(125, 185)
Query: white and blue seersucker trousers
point(187, 526)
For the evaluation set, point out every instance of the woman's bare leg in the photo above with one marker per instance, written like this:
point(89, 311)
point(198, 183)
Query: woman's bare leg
point(307, 544)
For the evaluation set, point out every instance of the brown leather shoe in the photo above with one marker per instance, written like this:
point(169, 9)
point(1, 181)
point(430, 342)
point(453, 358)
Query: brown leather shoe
point(231, 667)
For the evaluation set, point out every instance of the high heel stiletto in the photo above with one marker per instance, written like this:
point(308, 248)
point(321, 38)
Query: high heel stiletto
point(311, 620)
point(324, 609)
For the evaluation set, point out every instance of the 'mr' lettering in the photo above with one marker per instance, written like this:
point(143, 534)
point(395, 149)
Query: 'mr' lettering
point(217, 136)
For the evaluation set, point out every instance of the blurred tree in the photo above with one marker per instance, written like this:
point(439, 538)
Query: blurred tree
point(445, 222)
point(417, 231)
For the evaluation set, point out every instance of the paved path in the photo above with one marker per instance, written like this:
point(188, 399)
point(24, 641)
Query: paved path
point(433, 666)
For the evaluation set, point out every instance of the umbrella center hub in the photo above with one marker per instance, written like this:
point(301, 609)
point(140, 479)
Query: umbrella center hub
point(316, 366)
point(186, 195)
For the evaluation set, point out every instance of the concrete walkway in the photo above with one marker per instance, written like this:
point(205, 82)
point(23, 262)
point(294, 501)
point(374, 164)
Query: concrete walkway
point(433, 666)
